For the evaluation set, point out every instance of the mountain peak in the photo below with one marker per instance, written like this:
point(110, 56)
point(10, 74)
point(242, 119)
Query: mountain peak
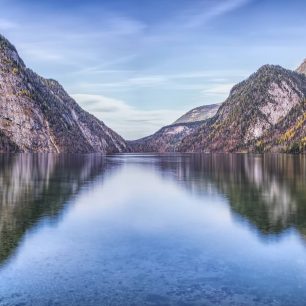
point(5, 42)
point(8, 53)
point(199, 113)
point(273, 71)
point(37, 114)
point(302, 67)
point(258, 113)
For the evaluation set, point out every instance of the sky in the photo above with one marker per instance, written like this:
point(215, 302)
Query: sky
point(140, 64)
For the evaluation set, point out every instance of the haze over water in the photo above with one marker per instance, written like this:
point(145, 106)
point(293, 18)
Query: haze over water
point(129, 229)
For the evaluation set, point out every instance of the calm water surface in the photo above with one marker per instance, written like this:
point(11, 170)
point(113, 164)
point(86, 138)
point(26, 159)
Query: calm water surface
point(152, 230)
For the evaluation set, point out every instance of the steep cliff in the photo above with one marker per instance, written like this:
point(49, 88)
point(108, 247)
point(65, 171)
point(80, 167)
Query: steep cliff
point(302, 67)
point(37, 115)
point(266, 112)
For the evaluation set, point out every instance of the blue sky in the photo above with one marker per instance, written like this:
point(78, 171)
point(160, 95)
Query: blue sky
point(139, 65)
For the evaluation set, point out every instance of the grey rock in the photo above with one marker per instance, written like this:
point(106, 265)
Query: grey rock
point(169, 137)
point(265, 113)
point(37, 115)
point(302, 67)
point(200, 113)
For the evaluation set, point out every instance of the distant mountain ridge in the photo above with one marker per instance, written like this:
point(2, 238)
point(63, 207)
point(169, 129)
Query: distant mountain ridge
point(37, 115)
point(169, 137)
point(200, 113)
point(264, 113)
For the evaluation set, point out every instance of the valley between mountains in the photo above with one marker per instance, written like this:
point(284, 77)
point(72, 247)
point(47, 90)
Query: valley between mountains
point(264, 113)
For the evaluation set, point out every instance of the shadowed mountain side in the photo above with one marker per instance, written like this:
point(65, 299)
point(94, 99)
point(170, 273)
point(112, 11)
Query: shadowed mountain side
point(34, 187)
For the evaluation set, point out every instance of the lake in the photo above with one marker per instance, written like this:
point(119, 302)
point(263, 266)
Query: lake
point(132, 229)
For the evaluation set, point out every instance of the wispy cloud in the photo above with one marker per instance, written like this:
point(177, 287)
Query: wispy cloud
point(210, 10)
point(218, 89)
point(72, 40)
point(42, 54)
point(7, 24)
point(193, 80)
point(128, 121)
point(133, 82)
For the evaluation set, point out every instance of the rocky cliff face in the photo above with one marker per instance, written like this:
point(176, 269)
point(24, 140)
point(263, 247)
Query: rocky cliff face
point(302, 68)
point(168, 138)
point(37, 115)
point(266, 112)
point(200, 113)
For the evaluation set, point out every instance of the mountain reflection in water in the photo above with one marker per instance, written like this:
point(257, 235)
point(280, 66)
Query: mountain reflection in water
point(269, 191)
point(35, 187)
point(132, 229)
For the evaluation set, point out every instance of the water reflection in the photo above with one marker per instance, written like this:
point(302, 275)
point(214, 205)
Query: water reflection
point(160, 230)
point(268, 191)
point(34, 187)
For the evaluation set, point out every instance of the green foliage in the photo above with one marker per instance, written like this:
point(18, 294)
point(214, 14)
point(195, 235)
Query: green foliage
point(24, 92)
point(259, 146)
point(294, 148)
point(297, 147)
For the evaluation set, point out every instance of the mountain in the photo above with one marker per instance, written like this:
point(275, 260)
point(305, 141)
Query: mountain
point(266, 112)
point(200, 113)
point(168, 138)
point(37, 115)
point(302, 68)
